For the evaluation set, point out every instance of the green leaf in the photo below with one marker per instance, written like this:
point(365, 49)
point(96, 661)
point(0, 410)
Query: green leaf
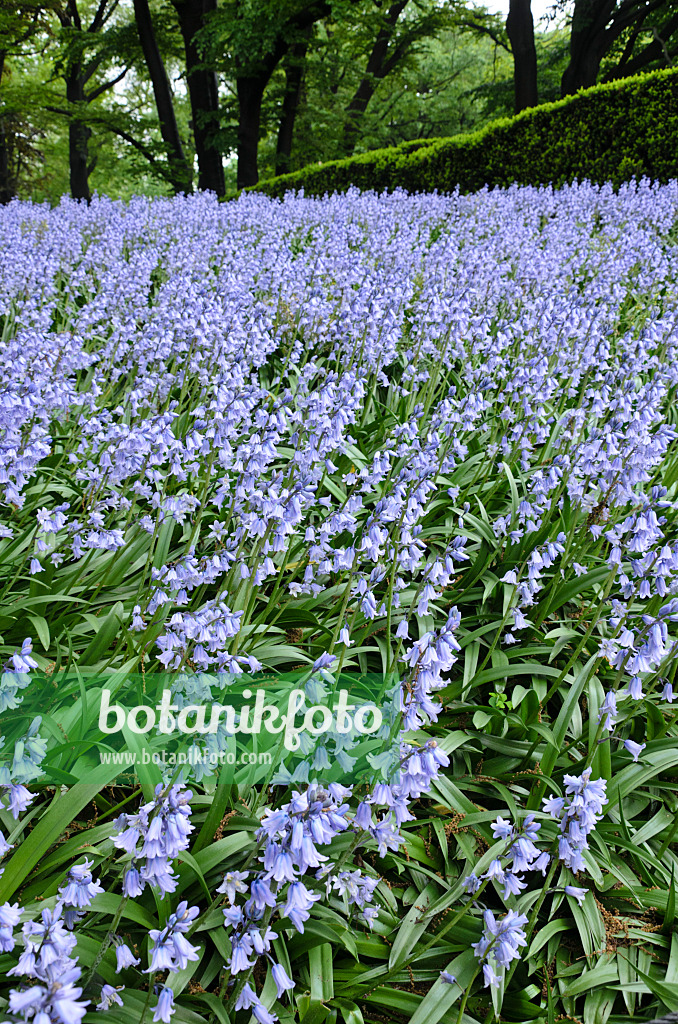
point(215, 1005)
point(108, 630)
point(561, 725)
point(545, 933)
point(602, 974)
point(350, 1011)
point(441, 996)
point(42, 629)
point(62, 812)
point(320, 971)
point(666, 992)
point(414, 924)
point(316, 1013)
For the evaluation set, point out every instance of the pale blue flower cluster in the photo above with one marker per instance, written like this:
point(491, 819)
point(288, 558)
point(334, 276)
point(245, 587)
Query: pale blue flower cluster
point(578, 812)
point(500, 943)
point(153, 838)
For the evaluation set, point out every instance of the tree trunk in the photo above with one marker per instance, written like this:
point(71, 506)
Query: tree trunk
point(520, 30)
point(354, 112)
point(204, 95)
point(582, 71)
point(377, 66)
point(587, 44)
point(252, 77)
point(251, 82)
point(180, 172)
point(78, 137)
point(294, 76)
point(7, 188)
point(250, 96)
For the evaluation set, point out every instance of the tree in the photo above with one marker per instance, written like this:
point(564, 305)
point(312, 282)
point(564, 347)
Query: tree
point(597, 28)
point(382, 59)
point(83, 53)
point(520, 30)
point(20, 24)
point(399, 28)
point(440, 94)
point(257, 54)
point(433, 88)
point(277, 82)
point(652, 42)
point(295, 66)
point(180, 172)
point(203, 90)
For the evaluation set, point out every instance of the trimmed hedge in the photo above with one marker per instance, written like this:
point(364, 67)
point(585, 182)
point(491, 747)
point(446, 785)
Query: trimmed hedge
point(613, 132)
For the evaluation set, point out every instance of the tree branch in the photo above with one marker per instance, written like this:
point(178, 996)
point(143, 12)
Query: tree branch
point(627, 15)
point(72, 7)
point(95, 93)
point(92, 65)
point(99, 20)
point(658, 39)
point(139, 146)
point(631, 65)
point(486, 30)
point(309, 15)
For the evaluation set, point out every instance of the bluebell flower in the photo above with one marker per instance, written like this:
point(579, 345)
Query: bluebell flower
point(578, 812)
point(170, 950)
point(634, 749)
point(233, 883)
point(577, 893)
point(58, 1000)
point(28, 755)
point(283, 982)
point(10, 915)
point(607, 713)
point(155, 836)
point(500, 942)
point(248, 1000)
point(164, 1008)
point(47, 947)
point(299, 903)
point(124, 957)
point(80, 888)
point(109, 997)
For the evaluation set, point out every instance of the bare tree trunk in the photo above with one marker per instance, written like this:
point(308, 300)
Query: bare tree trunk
point(203, 93)
point(520, 30)
point(582, 71)
point(251, 84)
point(294, 76)
point(78, 137)
point(180, 172)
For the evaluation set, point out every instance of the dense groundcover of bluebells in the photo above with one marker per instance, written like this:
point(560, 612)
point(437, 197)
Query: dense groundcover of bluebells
point(426, 436)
